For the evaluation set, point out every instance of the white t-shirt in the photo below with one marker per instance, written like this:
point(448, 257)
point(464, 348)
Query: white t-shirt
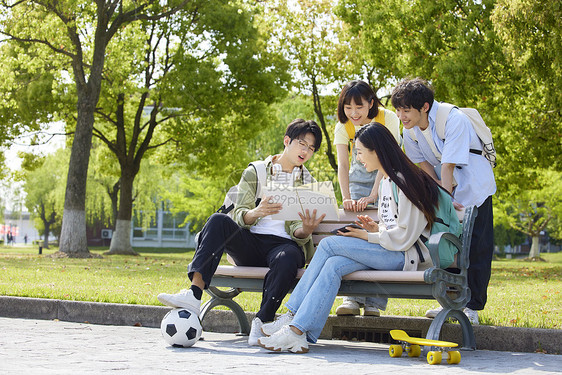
point(400, 223)
point(267, 225)
point(387, 211)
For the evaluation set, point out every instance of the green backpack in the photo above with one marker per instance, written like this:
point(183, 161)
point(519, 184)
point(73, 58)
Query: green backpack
point(446, 220)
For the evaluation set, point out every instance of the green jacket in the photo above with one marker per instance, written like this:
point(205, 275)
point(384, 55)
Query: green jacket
point(246, 201)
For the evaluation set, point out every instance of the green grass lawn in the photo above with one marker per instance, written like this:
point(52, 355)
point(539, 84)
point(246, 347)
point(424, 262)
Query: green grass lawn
point(521, 293)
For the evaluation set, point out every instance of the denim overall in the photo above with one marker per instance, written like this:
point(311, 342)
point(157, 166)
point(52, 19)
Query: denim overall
point(360, 181)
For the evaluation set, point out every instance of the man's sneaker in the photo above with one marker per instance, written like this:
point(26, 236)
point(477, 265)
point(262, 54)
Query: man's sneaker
point(371, 311)
point(433, 312)
point(348, 307)
point(269, 329)
point(184, 299)
point(472, 316)
point(285, 340)
point(255, 332)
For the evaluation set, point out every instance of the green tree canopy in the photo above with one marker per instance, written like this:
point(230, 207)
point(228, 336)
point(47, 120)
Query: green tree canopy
point(202, 67)
point(68, 40)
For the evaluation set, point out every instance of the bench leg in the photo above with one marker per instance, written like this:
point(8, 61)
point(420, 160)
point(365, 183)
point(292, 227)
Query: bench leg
point(468, 340)
point(220, 298)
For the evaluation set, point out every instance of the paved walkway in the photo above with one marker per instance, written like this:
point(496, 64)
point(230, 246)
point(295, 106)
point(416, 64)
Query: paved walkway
point(56, 347)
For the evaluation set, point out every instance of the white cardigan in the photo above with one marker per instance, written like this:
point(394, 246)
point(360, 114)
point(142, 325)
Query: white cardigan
point(400, 227)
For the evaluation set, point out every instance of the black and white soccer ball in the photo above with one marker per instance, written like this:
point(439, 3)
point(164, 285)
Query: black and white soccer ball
point(181, 327)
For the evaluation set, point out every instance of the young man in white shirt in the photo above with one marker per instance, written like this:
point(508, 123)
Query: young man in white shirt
point(462, 170)
point(252, 238)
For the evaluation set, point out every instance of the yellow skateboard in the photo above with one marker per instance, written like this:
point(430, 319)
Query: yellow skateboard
point(412, 346)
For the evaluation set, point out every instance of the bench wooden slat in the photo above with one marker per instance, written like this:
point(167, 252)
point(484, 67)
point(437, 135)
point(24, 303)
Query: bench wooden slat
point(245, 272)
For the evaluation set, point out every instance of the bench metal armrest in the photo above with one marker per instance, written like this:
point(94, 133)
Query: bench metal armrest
point(467, 224)
point(462, 244)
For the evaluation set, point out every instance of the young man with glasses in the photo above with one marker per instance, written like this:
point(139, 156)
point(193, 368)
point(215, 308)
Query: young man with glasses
point(252, 238)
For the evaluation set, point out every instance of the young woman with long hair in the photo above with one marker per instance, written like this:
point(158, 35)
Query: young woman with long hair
point(392, 244)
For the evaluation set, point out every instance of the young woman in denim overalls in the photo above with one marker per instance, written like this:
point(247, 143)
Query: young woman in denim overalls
point(358, 105)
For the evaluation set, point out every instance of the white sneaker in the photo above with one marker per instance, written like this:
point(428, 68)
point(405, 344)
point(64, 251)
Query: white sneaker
point(433, 312)
point(348, 307)
point(255, 332)
point(269, 329)
point(285, 340)
point(371, 311)
point(472, 316)
point(184, 299)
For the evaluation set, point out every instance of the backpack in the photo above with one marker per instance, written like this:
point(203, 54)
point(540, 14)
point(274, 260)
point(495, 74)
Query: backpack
point(232, 194)
point(446, 220)
point(350, 128)
point(482, 131)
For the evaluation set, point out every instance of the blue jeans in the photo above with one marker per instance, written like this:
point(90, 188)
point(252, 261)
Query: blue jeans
point(361, 185)
point(336, 256)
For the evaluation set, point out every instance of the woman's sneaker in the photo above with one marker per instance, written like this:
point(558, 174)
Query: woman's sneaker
point(371, 311)
point(269, 329)
point(184, 299)
point(285, 340)
point(348, 307)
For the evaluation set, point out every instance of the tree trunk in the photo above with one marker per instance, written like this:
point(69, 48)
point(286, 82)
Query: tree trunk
point(121, 240)
point(73, 239)
point(535, 247)
point(114, 196)
point(320, 114)
point(46, 237)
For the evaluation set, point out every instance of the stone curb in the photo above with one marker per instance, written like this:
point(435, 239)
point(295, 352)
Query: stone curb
point(487, 337)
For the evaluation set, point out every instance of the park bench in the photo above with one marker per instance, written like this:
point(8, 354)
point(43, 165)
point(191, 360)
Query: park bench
point(448, 286)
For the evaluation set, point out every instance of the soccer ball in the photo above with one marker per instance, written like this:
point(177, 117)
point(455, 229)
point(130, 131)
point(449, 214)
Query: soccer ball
point(181, 327)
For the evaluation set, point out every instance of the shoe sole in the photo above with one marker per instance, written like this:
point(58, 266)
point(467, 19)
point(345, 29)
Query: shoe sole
point(371, 313)
point(345, 311)
point(166, 302)
point(301, 351)
point(172, 304)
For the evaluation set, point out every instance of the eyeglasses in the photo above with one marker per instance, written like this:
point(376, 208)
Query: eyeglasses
point(305, 146)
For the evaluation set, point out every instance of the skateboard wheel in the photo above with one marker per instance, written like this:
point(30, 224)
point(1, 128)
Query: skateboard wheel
point(395, 350)
point(454, 357)
point(434, 358)
point(414, 350)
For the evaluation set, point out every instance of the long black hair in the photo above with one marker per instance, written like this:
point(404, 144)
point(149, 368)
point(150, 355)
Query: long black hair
point(417, 185)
